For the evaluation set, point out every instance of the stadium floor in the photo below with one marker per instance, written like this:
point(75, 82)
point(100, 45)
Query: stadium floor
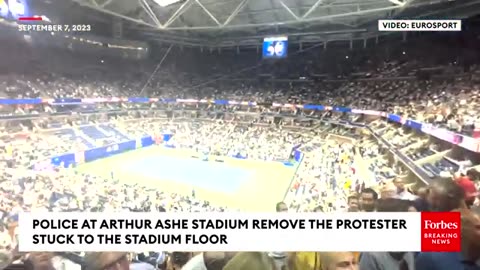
point(240, 184)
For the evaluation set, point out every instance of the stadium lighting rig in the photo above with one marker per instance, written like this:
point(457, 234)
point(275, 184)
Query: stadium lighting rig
point(164, 3)
point(398, 2)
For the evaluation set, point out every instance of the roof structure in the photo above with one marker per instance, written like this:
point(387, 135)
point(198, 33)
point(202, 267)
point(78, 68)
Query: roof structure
point(225, 23)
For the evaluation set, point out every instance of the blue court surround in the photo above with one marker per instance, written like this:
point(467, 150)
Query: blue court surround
point(214, 176)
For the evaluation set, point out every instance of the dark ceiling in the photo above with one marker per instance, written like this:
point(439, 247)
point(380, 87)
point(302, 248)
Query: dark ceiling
point(224, 23)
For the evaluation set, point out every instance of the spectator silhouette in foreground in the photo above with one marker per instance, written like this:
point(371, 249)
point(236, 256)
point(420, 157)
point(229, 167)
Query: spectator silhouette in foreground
point(178, 259)
point(279, 257)
point(389, 260)
point(338, 260)
point(281, 207)
point(39, 261)
point(275, 260)
point(421, 203)
point(402, 192)
point(388, 191)
point(467, 259)
point(32, 261)
point(324, 261)
point(446, 195)
point(209, 261)
point(251, 261)
point(470, 190)
point(369, 200)
point(145, 263)
point(353, 203)
point(107, 261)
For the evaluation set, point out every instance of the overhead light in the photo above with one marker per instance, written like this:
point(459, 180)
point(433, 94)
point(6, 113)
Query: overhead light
point(45, 18)
point(398, 2)
point(164, 3)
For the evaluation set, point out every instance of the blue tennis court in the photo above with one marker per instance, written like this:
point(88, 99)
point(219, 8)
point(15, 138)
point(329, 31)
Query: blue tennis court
point(237, 184)
point(215, 176)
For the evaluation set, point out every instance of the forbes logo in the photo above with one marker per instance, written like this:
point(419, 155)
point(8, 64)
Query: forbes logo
point(441, 232)
point(430, 225)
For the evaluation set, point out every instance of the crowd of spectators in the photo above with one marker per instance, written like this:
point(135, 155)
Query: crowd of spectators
point(448, 96)
point(336, 165)
point(340, 170)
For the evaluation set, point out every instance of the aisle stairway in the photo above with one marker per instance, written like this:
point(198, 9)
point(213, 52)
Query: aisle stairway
point(69, 134)
point(93, 132)
point(104, 133)
point(111, 130)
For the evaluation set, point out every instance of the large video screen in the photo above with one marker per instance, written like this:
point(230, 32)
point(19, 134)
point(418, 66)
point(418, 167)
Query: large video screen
point(14, 9)
point(275, 47)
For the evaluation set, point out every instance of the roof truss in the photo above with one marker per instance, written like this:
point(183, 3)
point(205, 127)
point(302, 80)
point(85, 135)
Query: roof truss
point(226, 23)
point(312, 14)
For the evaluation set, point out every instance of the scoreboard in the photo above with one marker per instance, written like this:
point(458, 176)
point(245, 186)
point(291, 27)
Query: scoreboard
point(275, 47)
point(14, 9)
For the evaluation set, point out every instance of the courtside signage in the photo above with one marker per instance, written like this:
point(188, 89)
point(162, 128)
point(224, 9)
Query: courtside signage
point(419, 25)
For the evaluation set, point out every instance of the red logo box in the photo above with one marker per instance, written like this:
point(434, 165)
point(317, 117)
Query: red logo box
point(441, 232)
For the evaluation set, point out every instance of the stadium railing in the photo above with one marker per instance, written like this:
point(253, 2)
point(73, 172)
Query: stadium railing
point(467, 142)
point(72, 159)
